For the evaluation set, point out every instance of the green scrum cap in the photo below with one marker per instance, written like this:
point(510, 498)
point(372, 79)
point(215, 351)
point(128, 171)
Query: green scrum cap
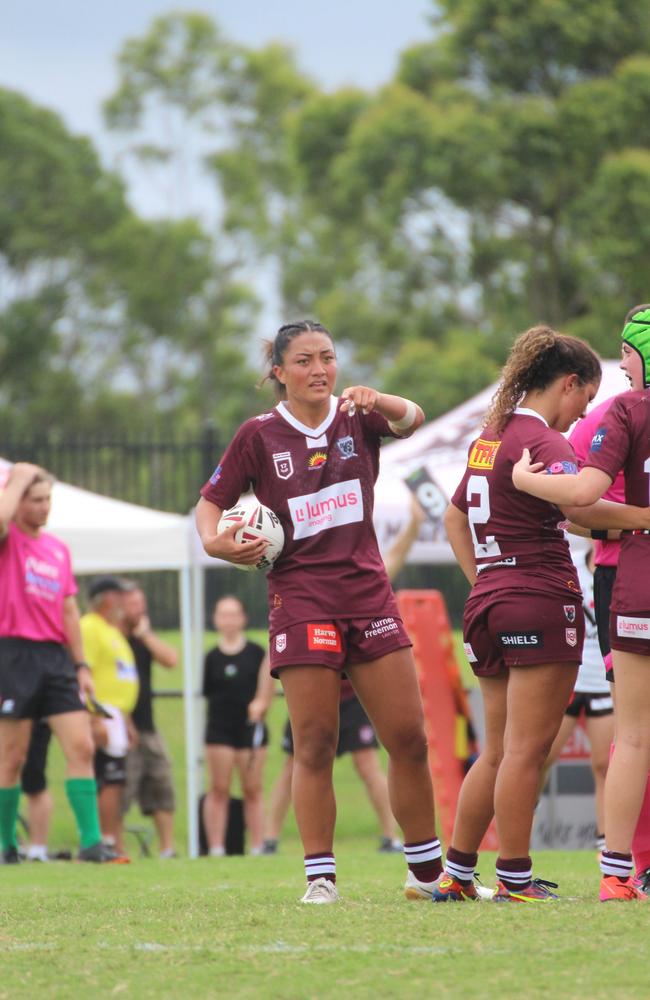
point(636, 333)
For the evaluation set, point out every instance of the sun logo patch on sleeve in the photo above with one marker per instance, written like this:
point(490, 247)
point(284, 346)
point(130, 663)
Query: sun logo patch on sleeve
point(317, 460)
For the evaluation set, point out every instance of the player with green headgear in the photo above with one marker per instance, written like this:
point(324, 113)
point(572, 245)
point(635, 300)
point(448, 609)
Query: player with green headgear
point(636, 333)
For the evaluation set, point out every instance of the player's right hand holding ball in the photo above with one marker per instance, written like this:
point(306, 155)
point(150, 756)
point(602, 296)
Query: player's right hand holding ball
point(225, 546)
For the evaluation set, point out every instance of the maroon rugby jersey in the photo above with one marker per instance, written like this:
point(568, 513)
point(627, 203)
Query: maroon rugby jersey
point(622, 441)
point(320, 483)
point(517, 542)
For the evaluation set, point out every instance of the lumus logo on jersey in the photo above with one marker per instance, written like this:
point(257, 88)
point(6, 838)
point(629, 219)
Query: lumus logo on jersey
point(632, 628)
point(330, 507)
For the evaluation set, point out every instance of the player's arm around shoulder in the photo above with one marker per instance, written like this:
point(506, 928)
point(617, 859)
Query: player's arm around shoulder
point(403, 415)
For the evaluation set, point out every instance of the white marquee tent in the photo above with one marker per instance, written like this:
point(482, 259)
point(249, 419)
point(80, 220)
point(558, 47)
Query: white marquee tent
point(441, 448)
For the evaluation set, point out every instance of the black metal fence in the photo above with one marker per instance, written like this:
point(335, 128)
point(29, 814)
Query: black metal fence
point(167, 473)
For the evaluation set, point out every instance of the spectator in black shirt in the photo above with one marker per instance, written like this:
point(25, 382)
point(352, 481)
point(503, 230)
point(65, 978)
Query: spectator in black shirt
point(149, 772)
point(238, 685)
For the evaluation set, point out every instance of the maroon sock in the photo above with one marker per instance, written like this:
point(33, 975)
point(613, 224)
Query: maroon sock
point(515, 873)
point(424, 859)
point(320, 866)
point(461, 865)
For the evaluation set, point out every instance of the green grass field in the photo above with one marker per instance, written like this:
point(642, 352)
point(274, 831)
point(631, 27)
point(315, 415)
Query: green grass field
point(233, 927)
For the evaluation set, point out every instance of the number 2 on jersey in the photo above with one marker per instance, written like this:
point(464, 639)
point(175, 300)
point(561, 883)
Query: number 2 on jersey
point(478, 486)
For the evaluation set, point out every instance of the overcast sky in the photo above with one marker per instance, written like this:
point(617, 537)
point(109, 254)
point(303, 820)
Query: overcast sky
point(61, 53)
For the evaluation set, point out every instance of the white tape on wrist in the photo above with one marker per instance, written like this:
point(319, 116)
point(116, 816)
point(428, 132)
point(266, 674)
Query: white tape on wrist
point(406, 422)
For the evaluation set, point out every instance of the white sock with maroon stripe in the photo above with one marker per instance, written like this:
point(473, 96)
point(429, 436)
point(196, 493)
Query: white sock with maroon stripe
point(612, 863)
point(320, 866)
point(424, 859)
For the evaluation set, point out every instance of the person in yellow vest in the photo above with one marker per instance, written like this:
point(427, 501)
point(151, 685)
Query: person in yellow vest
point(115, 677)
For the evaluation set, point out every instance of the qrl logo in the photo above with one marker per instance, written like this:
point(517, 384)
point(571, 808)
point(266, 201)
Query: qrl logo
point(483, 454)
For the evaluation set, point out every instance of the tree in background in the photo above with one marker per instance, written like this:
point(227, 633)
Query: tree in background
point(500, 179)
point(107, 321)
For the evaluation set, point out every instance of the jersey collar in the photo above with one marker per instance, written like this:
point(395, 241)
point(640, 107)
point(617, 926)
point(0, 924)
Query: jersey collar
point(525, 411)
point(310, 432)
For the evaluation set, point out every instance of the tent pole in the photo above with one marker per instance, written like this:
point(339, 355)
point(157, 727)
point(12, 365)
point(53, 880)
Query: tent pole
point(187, 627)
point(195, 780)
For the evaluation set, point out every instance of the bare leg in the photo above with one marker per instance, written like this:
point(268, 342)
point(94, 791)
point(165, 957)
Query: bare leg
point(72, 729)
point(14, 742)
point(39, 813)
point(250, 775)
point(220, 760)
point(537, 698)
point(164, 823)
point(389, 691)
point(476, 800)
point(109, 802)
point(600, 730)
point(567, 726)
point(313, 695)
point(369, 770)
point(280, 800)
point(628, 769)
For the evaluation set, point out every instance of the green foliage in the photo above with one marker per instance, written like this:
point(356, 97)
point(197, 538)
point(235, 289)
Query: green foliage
point(498, 181)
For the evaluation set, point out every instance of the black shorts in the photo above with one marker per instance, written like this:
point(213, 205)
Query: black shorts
point(109, 770)
point(604, 580)
point(593, 704)
point(33, 778)
point(355, 730)
point(37, 679)
point(232, 731)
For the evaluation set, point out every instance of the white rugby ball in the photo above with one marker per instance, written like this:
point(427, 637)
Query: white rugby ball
point(259, 522)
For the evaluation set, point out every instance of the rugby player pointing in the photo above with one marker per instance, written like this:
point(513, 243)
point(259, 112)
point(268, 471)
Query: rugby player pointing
point(314, 460)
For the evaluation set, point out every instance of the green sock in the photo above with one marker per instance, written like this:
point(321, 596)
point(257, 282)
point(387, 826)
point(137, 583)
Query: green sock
point(9, 799)
point(82, 796)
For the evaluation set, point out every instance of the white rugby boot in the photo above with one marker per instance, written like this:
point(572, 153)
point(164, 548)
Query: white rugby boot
point(321, 890)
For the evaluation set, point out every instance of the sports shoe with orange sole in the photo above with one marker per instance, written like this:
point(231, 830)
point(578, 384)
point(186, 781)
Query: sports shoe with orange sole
point(615, 889)
point(447, 889)
point(537, 892)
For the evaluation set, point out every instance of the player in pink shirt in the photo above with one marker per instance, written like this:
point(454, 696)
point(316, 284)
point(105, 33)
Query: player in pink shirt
point(607, 552)
point(621, 442)
point(314, 460)
point(42, 671)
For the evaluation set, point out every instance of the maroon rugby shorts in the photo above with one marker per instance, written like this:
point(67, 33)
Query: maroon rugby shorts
point(629, 631)
point(503, 629)
point(335, 642)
